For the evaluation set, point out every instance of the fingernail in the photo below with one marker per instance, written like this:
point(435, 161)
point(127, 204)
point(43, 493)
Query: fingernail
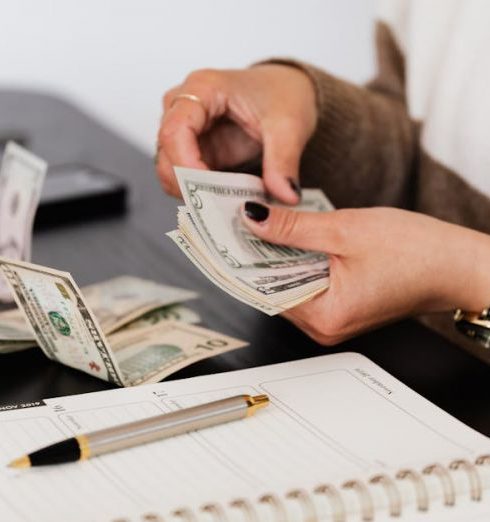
point(295, 186)
point(256, 211)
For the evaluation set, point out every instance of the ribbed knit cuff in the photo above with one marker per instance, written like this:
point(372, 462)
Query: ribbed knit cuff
point(338, 105)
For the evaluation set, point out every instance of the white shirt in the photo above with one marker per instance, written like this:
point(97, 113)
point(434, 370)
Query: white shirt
point(446, 44)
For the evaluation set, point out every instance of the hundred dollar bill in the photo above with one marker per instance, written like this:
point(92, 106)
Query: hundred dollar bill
point(67, 330)
point(211, 233)
point(21, 180)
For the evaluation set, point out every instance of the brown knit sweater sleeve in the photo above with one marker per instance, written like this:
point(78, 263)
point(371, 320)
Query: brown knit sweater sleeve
point(364, 147)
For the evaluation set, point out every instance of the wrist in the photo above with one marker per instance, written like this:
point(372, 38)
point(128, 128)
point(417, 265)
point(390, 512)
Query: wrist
point(298, 70)
point(468, 287)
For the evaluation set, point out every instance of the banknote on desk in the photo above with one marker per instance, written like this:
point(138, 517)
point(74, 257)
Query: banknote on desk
point(121, 302)
point(67, 330)
point(269, 277)
point(21, 180)
point(15, 333)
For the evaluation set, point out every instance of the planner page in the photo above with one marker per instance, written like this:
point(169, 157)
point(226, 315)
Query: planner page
point(331, 418)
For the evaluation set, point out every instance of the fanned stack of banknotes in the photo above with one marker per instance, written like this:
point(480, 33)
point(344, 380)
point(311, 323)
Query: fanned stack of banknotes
point(126, 330)
point(211, 233)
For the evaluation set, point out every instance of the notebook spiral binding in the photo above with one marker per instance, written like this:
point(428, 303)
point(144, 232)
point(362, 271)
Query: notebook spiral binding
point(217, 512)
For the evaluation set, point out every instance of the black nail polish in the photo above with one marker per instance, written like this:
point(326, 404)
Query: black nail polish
point(256, 211)
point(295, 186)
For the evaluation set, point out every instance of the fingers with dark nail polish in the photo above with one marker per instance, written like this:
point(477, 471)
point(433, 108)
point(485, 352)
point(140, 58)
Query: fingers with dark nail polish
point(295, 186)
point(256, 211)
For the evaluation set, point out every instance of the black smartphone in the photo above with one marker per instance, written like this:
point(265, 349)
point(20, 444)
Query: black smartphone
point(77, 192)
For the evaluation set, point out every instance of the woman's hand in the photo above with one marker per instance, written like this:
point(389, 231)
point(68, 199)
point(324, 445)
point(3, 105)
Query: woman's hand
point(267, 109)
point(384, 264)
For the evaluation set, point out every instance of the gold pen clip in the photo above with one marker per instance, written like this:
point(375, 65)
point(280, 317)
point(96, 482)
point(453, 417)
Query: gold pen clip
point(255, 402)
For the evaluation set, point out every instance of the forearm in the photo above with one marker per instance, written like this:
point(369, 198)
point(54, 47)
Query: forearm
point(469, 277)
point(465, 284)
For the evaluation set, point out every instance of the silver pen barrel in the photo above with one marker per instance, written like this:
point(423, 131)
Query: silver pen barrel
point(168, 425)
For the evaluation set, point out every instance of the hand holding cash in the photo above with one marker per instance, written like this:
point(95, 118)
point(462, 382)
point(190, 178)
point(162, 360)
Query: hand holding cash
point(129, 330)
point(271, 278)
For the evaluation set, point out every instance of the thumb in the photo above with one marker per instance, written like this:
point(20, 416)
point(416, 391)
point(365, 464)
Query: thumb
point(306, 230)
point(282, 154)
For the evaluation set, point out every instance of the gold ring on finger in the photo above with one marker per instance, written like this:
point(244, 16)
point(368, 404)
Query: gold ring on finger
point(187, 96)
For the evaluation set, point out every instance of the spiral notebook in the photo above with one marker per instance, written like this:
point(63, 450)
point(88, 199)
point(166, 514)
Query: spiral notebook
point(341, 440)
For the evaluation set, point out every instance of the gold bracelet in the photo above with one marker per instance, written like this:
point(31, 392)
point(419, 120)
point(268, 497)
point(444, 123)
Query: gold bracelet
point(475, 325)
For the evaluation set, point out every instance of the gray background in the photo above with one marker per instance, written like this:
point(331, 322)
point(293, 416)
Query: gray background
point(115, 58)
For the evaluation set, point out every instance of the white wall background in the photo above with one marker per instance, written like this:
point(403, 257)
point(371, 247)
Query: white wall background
point(115, 58)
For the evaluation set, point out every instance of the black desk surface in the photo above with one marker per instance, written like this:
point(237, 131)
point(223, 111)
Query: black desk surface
point(135, 244)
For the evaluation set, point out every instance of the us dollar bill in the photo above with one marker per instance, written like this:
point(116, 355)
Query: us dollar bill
point(211, 233)
point(150, 354)
point(15, 346)
point(15, 333)
point(21, 179)
point(175, 312)
point(125, 301)
point(121, 300)
point(67, 330)
point(63, 325)
point(14, 327)
point(213, 200)
point(233, 288)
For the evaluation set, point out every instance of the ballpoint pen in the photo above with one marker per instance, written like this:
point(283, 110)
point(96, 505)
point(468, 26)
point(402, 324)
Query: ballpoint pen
point(123, 436)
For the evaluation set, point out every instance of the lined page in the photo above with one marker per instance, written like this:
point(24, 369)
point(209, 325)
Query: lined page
point(331, 418)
